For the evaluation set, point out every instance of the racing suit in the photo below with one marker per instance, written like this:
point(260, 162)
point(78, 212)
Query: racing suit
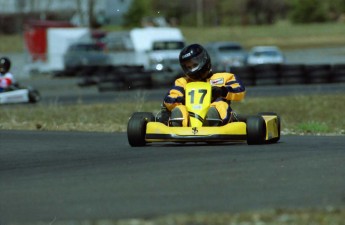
point(6, 80)
point(234, 91)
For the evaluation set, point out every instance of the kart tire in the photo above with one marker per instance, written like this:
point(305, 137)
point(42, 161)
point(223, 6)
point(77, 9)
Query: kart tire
point(34, 96)
point(256, 130)
point(273, 140)
point(136, 128)
point(241, 118)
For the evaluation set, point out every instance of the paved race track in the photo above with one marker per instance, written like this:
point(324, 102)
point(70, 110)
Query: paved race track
point(53, 176)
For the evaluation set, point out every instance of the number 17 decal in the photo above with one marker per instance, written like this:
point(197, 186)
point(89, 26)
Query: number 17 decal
point(203, 93)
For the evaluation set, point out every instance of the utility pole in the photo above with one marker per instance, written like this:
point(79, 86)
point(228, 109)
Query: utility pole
point(199, 13)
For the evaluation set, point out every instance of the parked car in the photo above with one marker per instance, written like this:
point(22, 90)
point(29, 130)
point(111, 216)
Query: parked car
point(155, 48)
point(225, 55)
point(265, 55)
point(85, 54)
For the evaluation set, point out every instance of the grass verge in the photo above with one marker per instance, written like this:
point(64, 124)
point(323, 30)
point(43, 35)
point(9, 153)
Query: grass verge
point(316, 114)
point(327, 216)
point(285, 35)
point(270, 217)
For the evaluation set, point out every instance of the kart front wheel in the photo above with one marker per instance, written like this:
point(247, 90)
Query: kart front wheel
point(256, 130)
point(136, 128)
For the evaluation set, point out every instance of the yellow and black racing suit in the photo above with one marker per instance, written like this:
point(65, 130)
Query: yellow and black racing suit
point(234, 87)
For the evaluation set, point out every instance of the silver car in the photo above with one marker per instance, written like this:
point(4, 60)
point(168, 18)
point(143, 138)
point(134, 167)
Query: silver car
point(85, 54)
point(265, 55)
point(225, 55)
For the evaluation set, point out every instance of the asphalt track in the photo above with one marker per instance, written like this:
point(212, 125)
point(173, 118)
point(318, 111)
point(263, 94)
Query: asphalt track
point(54, 176)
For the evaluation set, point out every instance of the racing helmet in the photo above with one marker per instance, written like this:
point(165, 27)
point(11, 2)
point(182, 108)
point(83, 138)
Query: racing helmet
point(195, 62)
point(5, 65)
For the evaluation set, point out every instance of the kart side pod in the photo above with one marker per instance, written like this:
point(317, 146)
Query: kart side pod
point(20, 95)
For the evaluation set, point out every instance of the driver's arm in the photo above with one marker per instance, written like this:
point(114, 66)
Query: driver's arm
point(175, 96)
point(234, 88)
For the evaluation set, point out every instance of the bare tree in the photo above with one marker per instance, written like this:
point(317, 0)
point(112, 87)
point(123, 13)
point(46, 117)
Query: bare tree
point(265, 11)
point(79, 11)
point(92, 20)
point(199, 13)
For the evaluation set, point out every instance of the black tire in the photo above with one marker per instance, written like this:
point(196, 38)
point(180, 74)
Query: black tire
point(136, 128)
point(273, 140)
point(241, 118)
point(34, 96)
point(256, 130)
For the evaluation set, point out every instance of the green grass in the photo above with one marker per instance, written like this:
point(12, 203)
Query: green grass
point(299, 114)
point(269, 217)
point(327, 216)
point(302, 114)
point(284, 35)
point(313, 126)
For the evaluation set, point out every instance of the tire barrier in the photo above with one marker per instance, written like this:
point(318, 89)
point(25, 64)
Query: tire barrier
point(123, 78)
point(338, 73)
point(291, 74)
point(285, 74)
point(318, 74)
point(266, 74)
point(111, 78)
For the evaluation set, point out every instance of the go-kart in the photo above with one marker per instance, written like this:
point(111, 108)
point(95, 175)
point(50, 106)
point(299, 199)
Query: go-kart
point(19, 94)
point(145, 127)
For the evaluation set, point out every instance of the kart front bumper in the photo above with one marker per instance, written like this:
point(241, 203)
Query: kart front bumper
point(232, 132)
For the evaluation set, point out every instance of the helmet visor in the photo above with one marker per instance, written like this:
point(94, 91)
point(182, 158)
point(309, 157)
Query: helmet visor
point(194, 64)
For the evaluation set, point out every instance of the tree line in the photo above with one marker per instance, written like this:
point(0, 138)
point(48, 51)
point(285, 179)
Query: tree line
point(236, 12)
point(193, 12)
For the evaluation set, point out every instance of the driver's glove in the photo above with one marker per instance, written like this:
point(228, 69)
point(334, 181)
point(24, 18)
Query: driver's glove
point(218, 92)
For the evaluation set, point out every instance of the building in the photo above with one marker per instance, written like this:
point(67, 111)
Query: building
point(16, 12)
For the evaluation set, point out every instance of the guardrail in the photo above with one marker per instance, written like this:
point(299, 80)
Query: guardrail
point(285, 74)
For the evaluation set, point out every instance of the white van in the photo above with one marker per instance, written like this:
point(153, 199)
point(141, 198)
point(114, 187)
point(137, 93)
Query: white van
point(154, 48)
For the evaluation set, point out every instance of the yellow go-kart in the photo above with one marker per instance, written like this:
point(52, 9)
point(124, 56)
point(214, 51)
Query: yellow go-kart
point(145, 127)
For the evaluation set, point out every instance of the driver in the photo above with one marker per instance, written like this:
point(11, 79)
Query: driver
point(6, 78)
point(226, 87)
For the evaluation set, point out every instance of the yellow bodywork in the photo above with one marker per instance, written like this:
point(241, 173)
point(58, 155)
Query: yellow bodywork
point(198, 100)
point(231, 132)
point(271, 127)
point(156, 131)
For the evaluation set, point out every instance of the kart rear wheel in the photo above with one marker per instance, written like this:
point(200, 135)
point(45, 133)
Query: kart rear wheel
point(34, 96)
point(241, 117)
point(136, 128)
point(273, 140)
point(256, 130)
